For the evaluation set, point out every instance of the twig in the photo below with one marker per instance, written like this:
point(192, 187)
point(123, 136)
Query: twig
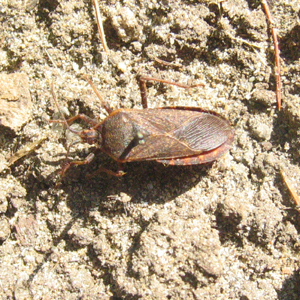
point(25, 150)
point(100, 26)
point(166, 63)
point(291, 189)
point(276, 52)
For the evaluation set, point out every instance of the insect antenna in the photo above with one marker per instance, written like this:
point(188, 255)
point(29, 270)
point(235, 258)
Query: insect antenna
point(104, 104)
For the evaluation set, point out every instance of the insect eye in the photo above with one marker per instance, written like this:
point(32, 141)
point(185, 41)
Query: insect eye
point(140, 138)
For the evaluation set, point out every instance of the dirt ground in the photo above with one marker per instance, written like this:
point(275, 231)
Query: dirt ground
point(227, 230)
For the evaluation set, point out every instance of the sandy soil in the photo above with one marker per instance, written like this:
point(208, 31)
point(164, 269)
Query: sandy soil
point(228, 230)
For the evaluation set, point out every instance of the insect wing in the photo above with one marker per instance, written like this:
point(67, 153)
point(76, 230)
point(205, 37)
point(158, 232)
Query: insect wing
point(178, 133)
point(203, 132)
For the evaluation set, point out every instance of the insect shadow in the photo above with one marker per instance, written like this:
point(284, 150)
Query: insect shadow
point(148, 182)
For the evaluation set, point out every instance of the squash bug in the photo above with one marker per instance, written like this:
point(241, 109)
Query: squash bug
point(173, 135)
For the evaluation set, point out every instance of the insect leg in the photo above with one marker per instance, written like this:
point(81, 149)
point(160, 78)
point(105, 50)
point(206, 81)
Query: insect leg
point(143, 88)
point(69, 121)
point(67, 165)
point(88, 160)
point(119, 173)
point(82, 117)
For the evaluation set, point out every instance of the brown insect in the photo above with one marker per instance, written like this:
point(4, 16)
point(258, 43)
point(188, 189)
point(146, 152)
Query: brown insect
point(170, 135)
